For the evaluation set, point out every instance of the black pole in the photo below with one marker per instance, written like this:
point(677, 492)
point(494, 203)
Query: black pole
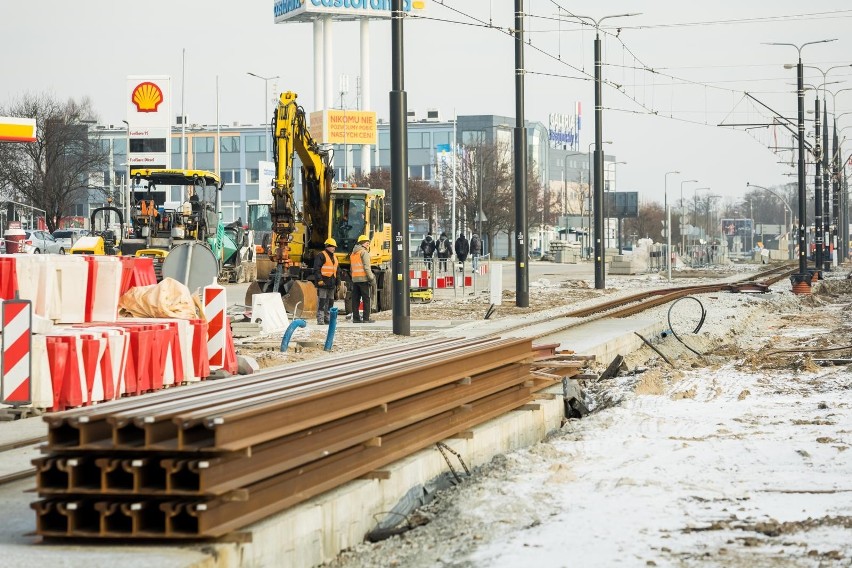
point(600, 250)
point(803, 277)
point(399, 178)
point(840, 242)
point(522, 283)
point(819, 150)
point(826, 217)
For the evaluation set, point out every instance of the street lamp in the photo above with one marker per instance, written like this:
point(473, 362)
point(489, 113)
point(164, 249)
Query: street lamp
point(599, 218)
point(127, 172)
point(802, 280)
point(266, 105)
point(682, 236)
point(668, 221)
point(614, 170)
point(786, 206)
point(613, 189)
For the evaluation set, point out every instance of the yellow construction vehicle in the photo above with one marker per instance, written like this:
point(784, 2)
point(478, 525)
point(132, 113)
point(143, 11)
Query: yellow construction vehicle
point(106, 232)
point(298, 234)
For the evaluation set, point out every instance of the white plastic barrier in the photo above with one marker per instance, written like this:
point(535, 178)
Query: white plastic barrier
point(269, 310)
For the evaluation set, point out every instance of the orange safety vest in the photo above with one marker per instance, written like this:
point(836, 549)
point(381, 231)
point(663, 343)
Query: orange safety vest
point(356, 265)
point(329, 267)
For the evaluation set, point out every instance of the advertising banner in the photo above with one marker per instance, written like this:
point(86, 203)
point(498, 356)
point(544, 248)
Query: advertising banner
point(308, 10)
point(343, 126)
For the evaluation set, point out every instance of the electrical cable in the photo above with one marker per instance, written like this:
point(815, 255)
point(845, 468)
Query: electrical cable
point(697, 327)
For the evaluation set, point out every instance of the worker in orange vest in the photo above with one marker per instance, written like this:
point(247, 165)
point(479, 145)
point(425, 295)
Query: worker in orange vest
point(325, 279)
point(362, 280)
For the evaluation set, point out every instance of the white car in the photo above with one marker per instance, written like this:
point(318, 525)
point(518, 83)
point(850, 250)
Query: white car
point(67, 237)
point(42, 242)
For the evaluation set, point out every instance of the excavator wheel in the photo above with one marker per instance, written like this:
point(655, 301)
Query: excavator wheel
point(301, 300)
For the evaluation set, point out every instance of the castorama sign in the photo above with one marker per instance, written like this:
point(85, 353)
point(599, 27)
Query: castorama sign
point(308, 10)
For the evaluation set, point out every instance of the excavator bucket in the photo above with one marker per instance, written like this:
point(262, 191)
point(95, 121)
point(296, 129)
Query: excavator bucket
point(301, 300)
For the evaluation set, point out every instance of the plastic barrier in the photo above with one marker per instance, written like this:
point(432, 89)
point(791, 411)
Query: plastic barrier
point(16, 355)
point(136, 271)
point(215, 303)
point(8, 278)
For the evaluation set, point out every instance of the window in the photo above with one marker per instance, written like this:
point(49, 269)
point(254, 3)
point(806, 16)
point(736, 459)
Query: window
point(255, 143)
point(473, 137)
point(142, 145)
point(384, 140)
point(229, 144)
point(427, 172)
point(119, 146)
point(177, 144)
point(252, 175)
point(202, 144)
point(441, 138)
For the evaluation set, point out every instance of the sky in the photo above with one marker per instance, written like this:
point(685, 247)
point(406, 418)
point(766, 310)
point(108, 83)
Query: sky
point(673, 73)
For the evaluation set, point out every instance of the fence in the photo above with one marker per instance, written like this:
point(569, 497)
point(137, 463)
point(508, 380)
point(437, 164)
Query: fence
point(449, 277)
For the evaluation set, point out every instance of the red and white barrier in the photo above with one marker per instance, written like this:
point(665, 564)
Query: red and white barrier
point(215, 303)
point(16, 355)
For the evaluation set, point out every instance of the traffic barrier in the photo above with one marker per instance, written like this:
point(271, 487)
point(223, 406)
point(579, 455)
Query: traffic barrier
point(17, 346)
point(231, 365)
point(104, 285)
point(71, 277)
point(200, 360)
point(136, 271)
point(8, 278)
point(215, 303)
point(269, 310)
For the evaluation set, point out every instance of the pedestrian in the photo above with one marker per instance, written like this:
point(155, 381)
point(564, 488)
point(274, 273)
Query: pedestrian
point(427, 247)
point(445, 250)
point(462, 248)
point(325, 279)
point(475, 249)
point(362, 280)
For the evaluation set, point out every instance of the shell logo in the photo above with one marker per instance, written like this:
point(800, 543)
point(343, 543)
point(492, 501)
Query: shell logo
point(147, 97)
point(417, 5)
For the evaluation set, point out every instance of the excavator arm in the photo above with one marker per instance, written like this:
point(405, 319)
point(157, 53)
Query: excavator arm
point(292, 137)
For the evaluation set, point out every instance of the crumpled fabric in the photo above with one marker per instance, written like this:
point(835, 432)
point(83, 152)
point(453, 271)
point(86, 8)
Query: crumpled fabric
point(168, 299)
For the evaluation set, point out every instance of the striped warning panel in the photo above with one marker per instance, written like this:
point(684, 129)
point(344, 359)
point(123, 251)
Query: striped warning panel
point(215, 303)
point(17, 345)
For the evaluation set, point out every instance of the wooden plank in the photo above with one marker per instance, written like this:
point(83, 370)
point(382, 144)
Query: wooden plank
point(381, 474)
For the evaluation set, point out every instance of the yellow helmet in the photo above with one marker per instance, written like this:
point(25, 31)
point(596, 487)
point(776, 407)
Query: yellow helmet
point(363, 239)
point(330, 242)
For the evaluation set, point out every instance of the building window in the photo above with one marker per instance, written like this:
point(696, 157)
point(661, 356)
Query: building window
point(252, 175)
point(255, 143)
point(229, 144)
point(473, 137)
point(177, 145)
point(441, 138)
point(384, 140)
point(143, 145)
point(119, 146)
point(202, 144)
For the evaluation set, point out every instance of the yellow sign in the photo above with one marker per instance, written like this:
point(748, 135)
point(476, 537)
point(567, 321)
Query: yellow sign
point(17, 129)
point(343, 126)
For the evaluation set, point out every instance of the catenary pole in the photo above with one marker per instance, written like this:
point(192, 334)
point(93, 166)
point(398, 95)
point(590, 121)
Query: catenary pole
point(522, 292)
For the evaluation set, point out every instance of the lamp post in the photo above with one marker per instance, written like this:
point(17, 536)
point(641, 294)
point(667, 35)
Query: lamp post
point(786, 208)
point(127, 172)
point(265, 104)
point(682, 236)
point(599, 218)
point(668, 222)
point(590, 187)
point(822, 230)
point(802, 280)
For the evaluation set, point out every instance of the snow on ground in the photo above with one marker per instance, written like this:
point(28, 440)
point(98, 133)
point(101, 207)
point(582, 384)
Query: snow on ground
point(738, 457)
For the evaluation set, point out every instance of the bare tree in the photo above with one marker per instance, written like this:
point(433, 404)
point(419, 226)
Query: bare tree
point(53, 172)
point(419, 191)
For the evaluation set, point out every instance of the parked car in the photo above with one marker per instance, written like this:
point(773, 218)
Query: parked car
point(42, 242)
point(67, 237)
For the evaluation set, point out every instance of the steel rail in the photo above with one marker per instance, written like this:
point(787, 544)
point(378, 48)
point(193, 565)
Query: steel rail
point(151, 475)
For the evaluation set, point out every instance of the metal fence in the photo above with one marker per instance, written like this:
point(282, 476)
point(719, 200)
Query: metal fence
point(449, 278)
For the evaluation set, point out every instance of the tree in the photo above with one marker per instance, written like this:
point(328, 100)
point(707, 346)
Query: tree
point(649, 223)
point(419, 191)
point(484, 170)
point(53, 172)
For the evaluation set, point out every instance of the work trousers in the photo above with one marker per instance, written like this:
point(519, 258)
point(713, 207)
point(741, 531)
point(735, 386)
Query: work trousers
point(361, 291)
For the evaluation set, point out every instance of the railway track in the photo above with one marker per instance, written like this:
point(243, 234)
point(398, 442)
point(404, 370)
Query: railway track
point(156, 467)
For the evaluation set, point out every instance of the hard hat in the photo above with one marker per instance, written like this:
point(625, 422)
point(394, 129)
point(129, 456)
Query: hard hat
point(363, 239)
point(330, 242)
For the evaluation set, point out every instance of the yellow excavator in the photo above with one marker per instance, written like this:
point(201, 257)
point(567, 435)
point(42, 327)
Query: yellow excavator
point(299, 230)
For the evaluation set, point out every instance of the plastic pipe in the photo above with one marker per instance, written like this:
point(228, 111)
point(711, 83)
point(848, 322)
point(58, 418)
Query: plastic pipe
point(285, 341)
point(332, 327)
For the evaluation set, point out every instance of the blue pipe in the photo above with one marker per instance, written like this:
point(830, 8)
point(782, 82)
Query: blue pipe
point(285, 341)
point(332, 326)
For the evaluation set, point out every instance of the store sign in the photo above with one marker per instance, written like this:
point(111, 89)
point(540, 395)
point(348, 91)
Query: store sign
point(307, 10)
point(564, 130)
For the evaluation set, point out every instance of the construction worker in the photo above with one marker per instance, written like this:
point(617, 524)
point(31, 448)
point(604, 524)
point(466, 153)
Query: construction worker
point(362, 280)
point(325, 273)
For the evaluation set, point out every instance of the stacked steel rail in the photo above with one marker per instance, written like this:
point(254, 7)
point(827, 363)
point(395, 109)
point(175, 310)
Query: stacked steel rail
point(209, 460)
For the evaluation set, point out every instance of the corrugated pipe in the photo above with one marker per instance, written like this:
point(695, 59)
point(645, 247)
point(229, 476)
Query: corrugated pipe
point(332, 327)
point(285, 341)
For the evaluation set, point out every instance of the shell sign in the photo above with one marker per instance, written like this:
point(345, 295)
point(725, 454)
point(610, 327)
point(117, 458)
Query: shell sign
point(147, 97)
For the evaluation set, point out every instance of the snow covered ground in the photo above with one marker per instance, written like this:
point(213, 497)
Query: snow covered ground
point(738, 457)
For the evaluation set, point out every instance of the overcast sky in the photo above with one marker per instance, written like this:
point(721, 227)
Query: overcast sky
point(704, 57)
